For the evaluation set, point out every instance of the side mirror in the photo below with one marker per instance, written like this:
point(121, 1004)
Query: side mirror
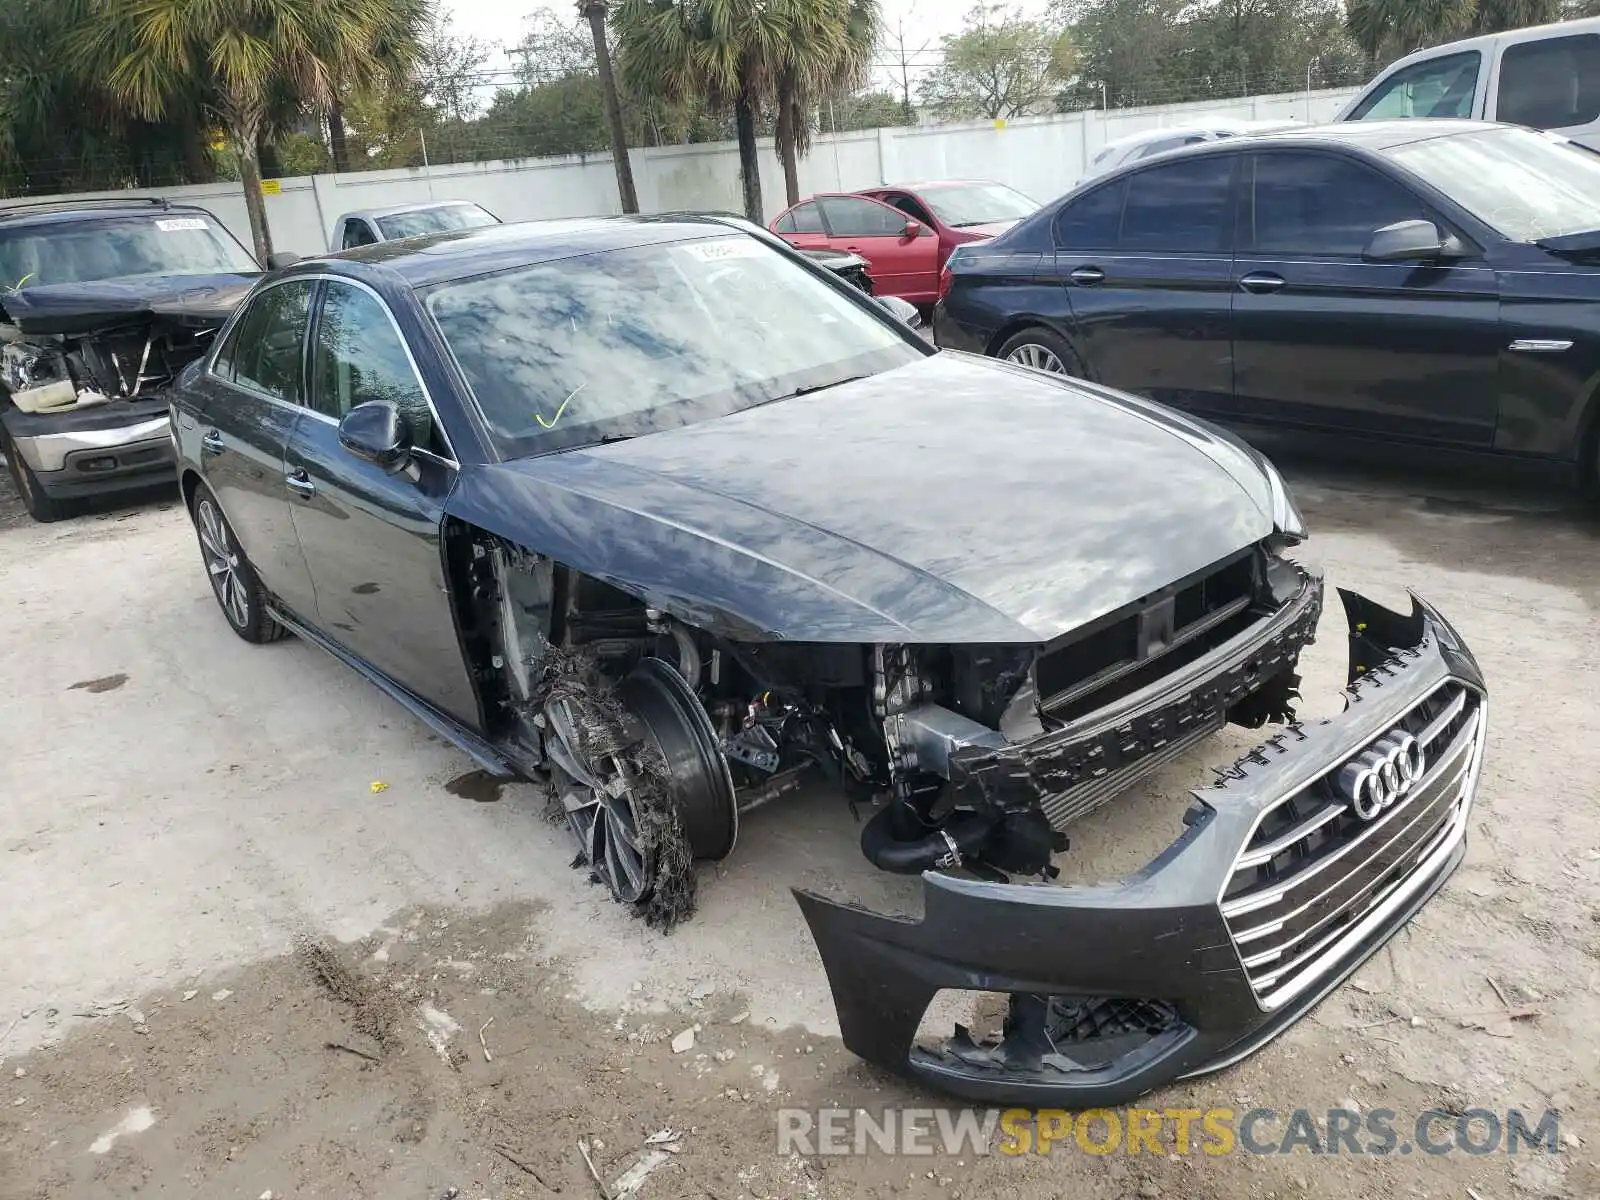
point(279, 259)
point(376, 433)
point(914, 229)
point(901, 310)
point(1409, 240)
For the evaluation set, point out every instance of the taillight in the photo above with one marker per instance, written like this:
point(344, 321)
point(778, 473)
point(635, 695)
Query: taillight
point(944, 280)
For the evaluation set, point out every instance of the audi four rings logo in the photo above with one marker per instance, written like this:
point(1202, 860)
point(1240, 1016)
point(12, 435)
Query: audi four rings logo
point(1384, 772)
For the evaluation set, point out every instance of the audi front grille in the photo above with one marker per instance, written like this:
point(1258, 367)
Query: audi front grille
point(1318, 876)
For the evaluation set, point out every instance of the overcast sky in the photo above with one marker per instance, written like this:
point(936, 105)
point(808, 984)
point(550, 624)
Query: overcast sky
point(923, 22)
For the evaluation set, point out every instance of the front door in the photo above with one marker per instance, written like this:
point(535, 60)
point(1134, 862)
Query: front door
point(1324, 339)
point(253, 396)
point(901, 263)
point(1146, 261)
point(372, 539)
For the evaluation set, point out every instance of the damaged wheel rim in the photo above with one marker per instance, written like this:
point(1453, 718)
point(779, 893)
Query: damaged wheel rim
point(598, 791)
point(222, 563)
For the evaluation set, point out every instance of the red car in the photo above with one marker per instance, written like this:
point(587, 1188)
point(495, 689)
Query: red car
point(904, 232)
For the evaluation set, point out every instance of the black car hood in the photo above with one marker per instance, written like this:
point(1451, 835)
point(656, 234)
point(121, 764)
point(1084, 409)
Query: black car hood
point(954, 499)
point(86, 307)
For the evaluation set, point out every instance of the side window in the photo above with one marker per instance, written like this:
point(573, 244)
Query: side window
point(807, 218)
point(1437, 87)
point(1180, 206)
point(852, 216)
point(356, 233)
point(1322, 205)
point(1091, 222)
point(358, 356)
point(1550, 84)
point(267, 348)
point(785, 223)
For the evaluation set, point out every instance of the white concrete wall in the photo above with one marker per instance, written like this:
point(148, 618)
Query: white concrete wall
point(1042, 156)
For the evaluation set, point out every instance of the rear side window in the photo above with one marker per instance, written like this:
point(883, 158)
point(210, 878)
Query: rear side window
point(1091, 222)
point(802, 218)
point(1437, 87)
point(1182, 206)
point(1316, 204)
point(267, 350)
point(1550, 84)
point(356, 233)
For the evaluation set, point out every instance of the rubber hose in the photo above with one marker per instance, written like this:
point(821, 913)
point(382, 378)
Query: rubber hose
point(969, 831)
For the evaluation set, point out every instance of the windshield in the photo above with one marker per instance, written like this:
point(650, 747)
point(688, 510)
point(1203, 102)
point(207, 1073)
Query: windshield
point(163, 243)
point(435, 220)
point(977, 203)
point(624, 342)
point(1523, 184)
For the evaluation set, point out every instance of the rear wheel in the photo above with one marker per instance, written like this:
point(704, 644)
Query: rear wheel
point(1042, 350)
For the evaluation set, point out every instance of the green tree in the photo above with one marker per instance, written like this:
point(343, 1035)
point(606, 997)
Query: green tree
point(724, 51)
point(1385, 28)
point(1494, 15)
point(828, 47)
point(402, 38)
point(1001, 64)
point(868, 110)
point(247, 55)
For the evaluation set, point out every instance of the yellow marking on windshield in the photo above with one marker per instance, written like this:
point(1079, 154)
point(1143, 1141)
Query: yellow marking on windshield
point(551, 423)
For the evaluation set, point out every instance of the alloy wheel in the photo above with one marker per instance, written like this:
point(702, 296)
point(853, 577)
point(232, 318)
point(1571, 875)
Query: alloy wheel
point(599, 792)
point(1040, 358)
point(222, 563)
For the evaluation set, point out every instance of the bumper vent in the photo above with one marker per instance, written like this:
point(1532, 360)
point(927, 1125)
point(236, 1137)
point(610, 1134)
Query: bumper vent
point(1316, 876)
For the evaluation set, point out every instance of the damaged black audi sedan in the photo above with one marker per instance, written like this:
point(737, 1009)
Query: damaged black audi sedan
point(663, 513)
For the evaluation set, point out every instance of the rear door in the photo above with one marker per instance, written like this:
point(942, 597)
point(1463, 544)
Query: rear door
point(901, 264)
point(1324, 339)
point(802, 227)
point(1146, 260)
point(254, 391)
point(371, 539)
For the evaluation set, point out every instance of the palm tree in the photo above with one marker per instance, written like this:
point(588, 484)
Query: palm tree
point(247, 51)
point(392, 44)
point(594, 11)
point(1406, 25)
point(1495, 15)
point(828, 49)
point(726, 51)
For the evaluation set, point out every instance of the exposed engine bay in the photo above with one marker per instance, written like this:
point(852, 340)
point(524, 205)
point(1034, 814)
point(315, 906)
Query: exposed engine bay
point(658, 735)
point(58, 372)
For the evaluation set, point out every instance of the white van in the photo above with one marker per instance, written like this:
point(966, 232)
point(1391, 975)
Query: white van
point(1545, 77)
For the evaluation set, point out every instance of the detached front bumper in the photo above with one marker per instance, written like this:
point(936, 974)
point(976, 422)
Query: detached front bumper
point(1276, 891)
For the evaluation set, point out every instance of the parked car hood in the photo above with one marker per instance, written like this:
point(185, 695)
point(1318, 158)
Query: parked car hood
point(956, 499)
point(85, 307)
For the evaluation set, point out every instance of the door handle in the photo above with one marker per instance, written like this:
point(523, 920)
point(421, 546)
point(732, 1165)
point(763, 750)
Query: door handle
point(300, 483)
point(212, 443)
point(1259, 283)
point(1088, 276)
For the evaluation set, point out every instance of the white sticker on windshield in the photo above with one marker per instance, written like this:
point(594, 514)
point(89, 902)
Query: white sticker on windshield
point(174, 224)
point(723, 248)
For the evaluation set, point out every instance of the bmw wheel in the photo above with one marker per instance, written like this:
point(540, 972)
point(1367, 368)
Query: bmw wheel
point(1043, 351)
point(233, 580)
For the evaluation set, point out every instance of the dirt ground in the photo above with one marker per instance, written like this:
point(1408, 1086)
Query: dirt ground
point(262, 933)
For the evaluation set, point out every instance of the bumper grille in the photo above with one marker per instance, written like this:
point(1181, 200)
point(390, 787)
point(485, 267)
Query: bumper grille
point(1315, 874)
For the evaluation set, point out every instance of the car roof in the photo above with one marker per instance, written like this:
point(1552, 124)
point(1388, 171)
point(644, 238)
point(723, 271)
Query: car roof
point(462, 253)
point(57, 212)
point(1361, 135)
point(922, 184)
point(390, 210)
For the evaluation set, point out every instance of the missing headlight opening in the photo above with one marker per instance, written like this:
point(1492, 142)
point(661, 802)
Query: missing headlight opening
point(659, 727)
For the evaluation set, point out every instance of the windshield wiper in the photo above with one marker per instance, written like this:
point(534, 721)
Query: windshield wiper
point(806, 391)
point(1573, 245)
